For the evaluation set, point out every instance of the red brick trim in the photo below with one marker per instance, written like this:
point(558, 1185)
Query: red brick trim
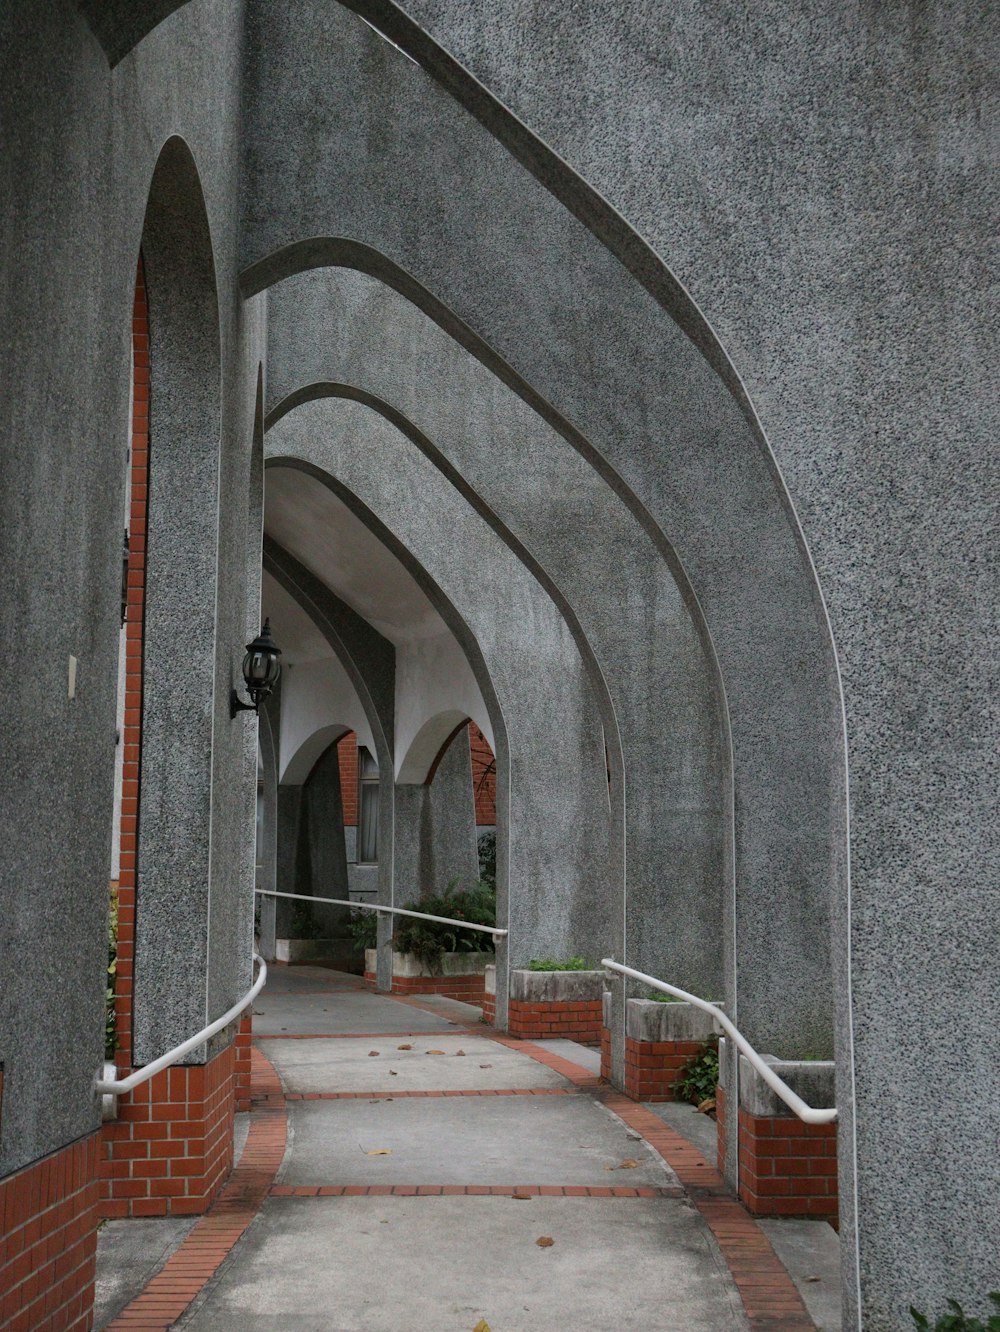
point(787, 1168)
point(244, 1037)
point(580, 1020)
point(653, 1068)
point(605, 1054)
point(489, 1007)
point(48, 1241)
point(466, 1191)
point(470, 988)
point(401, 1095)
point(352, 1035)
point(171, 1147)
point(195, 1262)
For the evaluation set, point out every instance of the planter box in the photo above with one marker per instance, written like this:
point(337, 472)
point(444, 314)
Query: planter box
point(659, 1041)
point(556, 1003)
point(461, 975)
point(786, 1167)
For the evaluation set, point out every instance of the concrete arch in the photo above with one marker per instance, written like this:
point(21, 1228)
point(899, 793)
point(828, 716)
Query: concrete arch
point(311, 750)
point(392, 478)
point(428, 746)
point(558, 312)
point(174, 854)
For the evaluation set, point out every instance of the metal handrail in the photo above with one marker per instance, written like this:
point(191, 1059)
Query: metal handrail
point(118, 1086)
point(795, 1103)
point(390, 911)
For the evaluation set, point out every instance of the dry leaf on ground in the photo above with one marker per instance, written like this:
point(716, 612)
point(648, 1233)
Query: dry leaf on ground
point(404, 1047)
point(380, 1151)
point(628, 1164)
point(706, 1105)
point(372, 1054)
point(545, 1241)
point(459, 1052)
point(482, 1326)
point(435, 1052)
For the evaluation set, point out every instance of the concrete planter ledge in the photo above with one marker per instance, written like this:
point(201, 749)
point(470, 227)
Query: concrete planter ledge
point(812, 1079)
point(648, 1020)
point(560, 987)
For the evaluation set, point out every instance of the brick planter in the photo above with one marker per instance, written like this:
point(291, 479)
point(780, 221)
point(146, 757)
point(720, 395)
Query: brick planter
point(556, 1003)
point(606, 1036)
point(462, 975)
point(659, 1041)
point(786, 1167)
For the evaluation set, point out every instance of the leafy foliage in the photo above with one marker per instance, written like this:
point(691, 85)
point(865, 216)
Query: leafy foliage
point(110, 1018)
point(487, 845)
point(550, 964)
point(958, 1320)
point(363, 927)
point(700, 1075)
point(429, 940)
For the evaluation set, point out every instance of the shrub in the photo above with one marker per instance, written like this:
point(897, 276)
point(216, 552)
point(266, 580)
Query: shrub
point(549, 964)
point(700, 1075)
point(363, 928)
point(429, 941)
point(958, 1320)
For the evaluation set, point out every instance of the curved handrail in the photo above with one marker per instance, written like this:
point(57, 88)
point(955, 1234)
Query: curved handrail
point(390, 911)
point(795, 1103)
point(118, 1086)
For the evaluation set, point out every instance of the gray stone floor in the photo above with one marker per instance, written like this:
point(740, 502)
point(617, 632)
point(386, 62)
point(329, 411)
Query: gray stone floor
point(378, 1264)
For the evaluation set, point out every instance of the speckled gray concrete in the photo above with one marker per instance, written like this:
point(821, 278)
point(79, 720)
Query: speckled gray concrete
point(521, 652)
point(532, 286)
point(435, 829)
point(661, 722)
point(408, 1261)
point(64, 385)
point(339, 1014)
point(850, 297)
point(466, 1140)
point(458, 1063)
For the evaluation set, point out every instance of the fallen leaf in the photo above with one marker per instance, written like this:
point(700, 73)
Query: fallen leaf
point(628, 1164)
point(393, 1073)
point(482, 1326)
point(485, 1065)
point(404, 1047)
point(380, 1151)
point(372, 1054)
point(706, 1105)
point(434, 1052)
point(459, 1052)
point(521, 1197)
point(814, 1278)
point(545, 1241)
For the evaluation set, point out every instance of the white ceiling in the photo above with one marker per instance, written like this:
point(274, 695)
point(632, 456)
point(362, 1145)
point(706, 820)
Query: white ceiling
point(312, 524)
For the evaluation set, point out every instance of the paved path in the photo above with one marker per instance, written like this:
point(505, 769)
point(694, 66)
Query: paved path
point(404, 1169)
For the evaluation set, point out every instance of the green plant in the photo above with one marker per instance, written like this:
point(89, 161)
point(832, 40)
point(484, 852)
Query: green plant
point(958, 1320)
point(550, 964)
point(305, 925)
point(363, 928)
point(700, 1075)
point(659, 997)
point(110, 1017)
point(487, 847)
point(429, 941)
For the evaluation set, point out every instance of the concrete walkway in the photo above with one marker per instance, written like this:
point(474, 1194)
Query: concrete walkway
point(438, 1178)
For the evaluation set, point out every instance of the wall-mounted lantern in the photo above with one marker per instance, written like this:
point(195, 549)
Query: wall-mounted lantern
point(261, 669)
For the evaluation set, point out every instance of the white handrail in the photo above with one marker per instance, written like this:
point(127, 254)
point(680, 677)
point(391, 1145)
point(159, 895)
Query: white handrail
point(118, 1086)
point(795, 1103)
point(391, 911)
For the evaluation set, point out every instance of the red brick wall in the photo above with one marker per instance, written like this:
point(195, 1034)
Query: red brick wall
point(48, 1242)
point(470, 989)
point(577, 1021)
point(171, 1147)
point(484, 778)
point(132, 730)
point(787, 1168)
point(489, 1004)
point(347, 752)
point(244, 1039)
point(605, 1054)
point(652, 1068)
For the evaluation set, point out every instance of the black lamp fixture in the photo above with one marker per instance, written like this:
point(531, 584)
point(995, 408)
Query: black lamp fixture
point(261, 669)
